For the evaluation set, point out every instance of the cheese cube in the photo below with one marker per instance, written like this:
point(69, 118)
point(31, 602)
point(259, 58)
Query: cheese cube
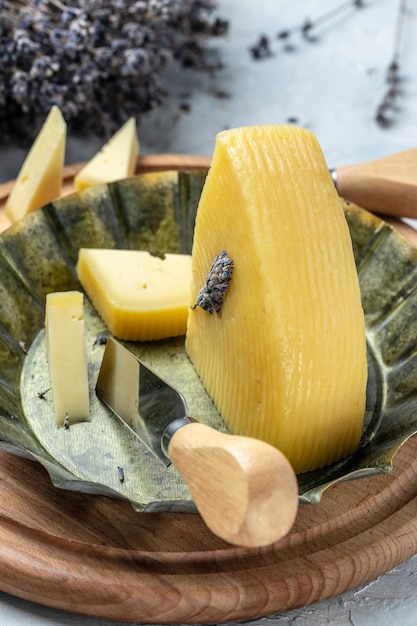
point(67, 359)
point(116, 159)
point(140, 297)
point(285, 358)
point(40, 178)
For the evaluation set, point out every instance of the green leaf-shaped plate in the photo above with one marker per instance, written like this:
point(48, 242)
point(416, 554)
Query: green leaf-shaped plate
point(157, 212)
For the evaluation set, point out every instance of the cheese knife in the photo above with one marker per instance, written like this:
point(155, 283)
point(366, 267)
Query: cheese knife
point(244, 489)
point(387, 185)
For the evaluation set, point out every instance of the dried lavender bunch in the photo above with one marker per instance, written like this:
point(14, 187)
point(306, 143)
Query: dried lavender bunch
point(100, 61)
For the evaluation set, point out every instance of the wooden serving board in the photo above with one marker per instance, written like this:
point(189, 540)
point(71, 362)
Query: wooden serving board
point(95, 556)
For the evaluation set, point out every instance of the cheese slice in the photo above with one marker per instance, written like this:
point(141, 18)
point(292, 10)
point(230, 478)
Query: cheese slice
point(140, 297)
point(40, 178)
point(285, 358)
point(67, 359)
point(115, 161)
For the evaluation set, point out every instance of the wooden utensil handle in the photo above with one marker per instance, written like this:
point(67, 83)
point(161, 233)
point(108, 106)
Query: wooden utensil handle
point(387, 185)
point(245, 489)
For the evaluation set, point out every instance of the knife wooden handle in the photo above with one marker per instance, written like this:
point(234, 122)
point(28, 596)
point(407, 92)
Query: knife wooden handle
point(387, 185)
point(245, 489)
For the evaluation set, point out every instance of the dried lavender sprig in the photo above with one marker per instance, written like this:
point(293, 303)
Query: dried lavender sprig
point(388, 105)
point(262, 48)
point(309, 24)
point(100, 62)
point(211, 296)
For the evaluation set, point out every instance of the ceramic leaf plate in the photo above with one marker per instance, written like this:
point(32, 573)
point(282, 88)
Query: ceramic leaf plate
point(157, 212)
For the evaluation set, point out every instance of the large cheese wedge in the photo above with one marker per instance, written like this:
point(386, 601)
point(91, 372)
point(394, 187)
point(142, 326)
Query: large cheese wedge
point(67, 359)
point(40, 178)
point(116, 159)
point(140, 297)
point(285, 358)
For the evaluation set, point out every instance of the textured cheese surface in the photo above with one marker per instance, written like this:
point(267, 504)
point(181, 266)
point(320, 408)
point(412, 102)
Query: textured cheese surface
point(40, 178)
point(286, 359)
point(116, 159)
point(140, 297)
point(67, 359)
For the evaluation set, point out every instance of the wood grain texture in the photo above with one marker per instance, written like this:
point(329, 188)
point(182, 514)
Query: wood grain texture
point(245, 489)
point(96, 556)
point(387, 185)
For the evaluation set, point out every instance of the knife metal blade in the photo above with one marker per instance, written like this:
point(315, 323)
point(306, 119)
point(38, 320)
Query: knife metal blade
point(231, 478)
point(140, 398)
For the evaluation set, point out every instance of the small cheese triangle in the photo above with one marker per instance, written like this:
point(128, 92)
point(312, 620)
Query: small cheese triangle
point(40, 178)
point(140, 297)
point(116, 159)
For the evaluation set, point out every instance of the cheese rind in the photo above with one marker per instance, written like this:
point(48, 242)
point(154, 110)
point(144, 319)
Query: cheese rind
point(40, 178)
point(286, 359)
point(67, 359)
point(140, 297)
point(116, 159)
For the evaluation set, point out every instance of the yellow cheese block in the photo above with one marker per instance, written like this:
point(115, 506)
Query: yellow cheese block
point(140, 297)
point(67, 359)
point(115, 161)
point(285, 358)
point(40, 178)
